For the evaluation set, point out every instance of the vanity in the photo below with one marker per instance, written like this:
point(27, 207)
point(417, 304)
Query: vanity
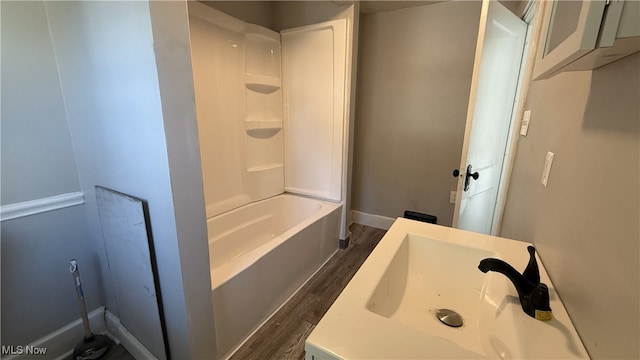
point(393, 306)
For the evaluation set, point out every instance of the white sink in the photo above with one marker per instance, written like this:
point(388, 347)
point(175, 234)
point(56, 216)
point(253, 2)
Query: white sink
point(425, 275)
point(388, 310)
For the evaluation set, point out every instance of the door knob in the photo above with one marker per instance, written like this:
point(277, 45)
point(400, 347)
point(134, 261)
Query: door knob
point(469, 174)
point(475, 175)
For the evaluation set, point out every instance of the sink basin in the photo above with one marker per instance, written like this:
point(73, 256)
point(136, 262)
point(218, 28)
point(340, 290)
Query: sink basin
point(389, 309)
point(425, 275)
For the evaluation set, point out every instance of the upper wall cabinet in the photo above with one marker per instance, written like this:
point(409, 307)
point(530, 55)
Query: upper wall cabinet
point(584, 35)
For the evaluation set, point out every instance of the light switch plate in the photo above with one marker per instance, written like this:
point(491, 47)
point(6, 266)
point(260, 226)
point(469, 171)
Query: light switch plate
point(452, 197)
point(526, 117)
point(547, 168)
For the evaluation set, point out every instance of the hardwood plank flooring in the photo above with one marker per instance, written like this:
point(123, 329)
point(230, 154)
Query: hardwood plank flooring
point(283, 336)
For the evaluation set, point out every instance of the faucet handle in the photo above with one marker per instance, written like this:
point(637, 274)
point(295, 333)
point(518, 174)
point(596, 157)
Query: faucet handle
point(539, 301)
point(532, 272)
point(536, 303)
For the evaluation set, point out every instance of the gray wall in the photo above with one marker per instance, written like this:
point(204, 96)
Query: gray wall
point(37, 154)
point(38, 294)
point(585, 223)
point(100, 93)
point(126, 139)
point(414, 78)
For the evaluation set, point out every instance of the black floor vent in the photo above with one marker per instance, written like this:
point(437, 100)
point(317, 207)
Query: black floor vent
point(420, 217)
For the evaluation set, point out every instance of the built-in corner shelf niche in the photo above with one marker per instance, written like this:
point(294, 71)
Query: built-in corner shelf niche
point(262, 84)
point(263, 95)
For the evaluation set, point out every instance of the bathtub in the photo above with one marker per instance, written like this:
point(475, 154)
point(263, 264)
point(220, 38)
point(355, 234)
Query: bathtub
point(260, 255)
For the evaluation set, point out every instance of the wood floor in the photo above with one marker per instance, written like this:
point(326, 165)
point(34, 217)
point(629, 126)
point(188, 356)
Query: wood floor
point(283, 336)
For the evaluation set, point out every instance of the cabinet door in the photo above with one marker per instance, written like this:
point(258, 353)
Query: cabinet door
point(570, 30)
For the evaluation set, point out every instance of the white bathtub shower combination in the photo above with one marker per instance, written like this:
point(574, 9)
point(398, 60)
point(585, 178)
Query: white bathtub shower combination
point(264, 244)
point(262, 254)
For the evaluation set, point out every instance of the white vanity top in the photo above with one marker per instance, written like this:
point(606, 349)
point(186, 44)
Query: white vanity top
point(388, 310)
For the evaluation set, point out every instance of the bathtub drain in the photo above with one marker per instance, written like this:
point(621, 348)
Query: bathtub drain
point(449, 317)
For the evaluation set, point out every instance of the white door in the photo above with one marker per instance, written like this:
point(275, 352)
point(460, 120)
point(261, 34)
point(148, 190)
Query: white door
point(496, 69)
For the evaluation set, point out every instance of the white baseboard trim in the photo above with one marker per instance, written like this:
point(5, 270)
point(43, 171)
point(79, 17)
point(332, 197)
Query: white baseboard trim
point(122, 336)
point(32, 207)
point(60, 343)
point(376, 221)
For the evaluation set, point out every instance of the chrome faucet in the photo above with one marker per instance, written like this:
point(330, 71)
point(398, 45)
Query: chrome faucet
point(534, 295)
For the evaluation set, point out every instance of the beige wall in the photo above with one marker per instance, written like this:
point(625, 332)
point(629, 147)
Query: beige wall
point(585, 222)
point(414, 77)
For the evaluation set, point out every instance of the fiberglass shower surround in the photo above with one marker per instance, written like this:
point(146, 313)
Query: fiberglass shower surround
point(271, 119)
point(267, 122)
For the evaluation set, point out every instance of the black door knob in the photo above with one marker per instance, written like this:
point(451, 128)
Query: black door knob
point(469, 174)
point(456, 173)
